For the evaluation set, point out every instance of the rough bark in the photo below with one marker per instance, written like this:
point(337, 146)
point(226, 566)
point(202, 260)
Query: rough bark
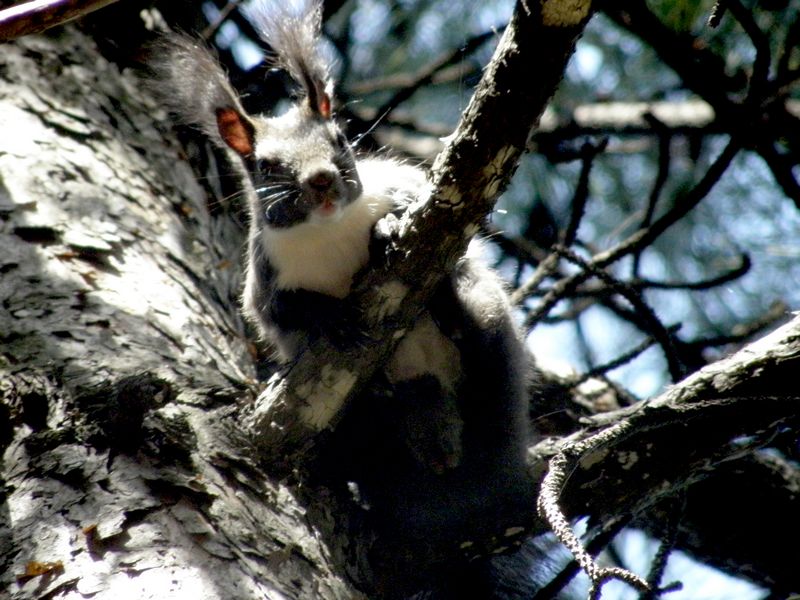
point(123, 361)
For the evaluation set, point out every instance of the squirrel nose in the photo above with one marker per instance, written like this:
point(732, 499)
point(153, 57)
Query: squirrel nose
point(321, 181)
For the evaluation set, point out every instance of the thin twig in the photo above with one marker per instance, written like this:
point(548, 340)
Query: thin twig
point(547, 504)
point(427, 74)
point(212, 28)
point(781, 166)
point(784, 74)
point(665, 548)
point(664, 161)
point(706, 284)
point(691, 199)
point(601, 540)
point(543, 271)
point(656, 328)
point(760, 41)
point(640, 239)
point(621, 360)
point(588, 153)
point(745, 331)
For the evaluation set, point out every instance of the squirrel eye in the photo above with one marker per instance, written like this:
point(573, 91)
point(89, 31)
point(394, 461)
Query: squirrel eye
point(265, 165)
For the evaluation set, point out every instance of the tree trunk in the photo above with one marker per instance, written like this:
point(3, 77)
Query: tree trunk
point(124, 360)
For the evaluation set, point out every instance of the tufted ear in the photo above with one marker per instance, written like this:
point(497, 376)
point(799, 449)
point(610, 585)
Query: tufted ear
point(320, 101)
point(293, 32)
point(236, 130)
point(192, 84)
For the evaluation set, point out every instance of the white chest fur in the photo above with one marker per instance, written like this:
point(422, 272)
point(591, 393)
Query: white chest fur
point(324, 256)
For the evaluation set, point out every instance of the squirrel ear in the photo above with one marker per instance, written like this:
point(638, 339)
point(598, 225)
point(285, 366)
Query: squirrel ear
point(318, 96)
point(236, 130)
point(324, 105)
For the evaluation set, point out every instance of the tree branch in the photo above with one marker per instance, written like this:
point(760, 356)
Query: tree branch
point(38, 15)
point(745, 505)
point(427, 74)
point(741, 395)
point(408, 83)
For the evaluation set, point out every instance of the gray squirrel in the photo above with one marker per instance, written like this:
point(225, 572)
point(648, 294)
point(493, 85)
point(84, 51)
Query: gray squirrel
point(439, 451)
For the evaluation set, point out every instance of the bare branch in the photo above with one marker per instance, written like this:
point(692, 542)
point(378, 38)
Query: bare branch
point(760, 75)
point(213, 27)
point(588, 153)
point(424, 75)
point(745, 331)
point(668, 541)
point(742, 268)
point(641, 239)
point(684, 204)
point(658, 331)
point(595, 545)
point(784, 73)
point(702, 71)
point(726, 394)
point(762, 116)
point(664, 161)
point(782, 166)
point(622, 359)
point(427, 74)
point(560, 467)
point(763, 488)
point(38, 15)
